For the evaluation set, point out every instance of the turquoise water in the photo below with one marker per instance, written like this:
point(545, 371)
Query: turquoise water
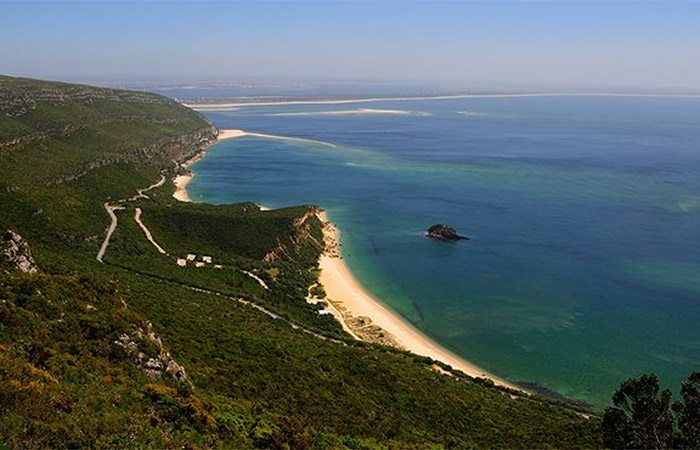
point(584, 213)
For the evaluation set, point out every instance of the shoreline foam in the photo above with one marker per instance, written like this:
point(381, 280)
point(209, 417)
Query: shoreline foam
point(357, 307)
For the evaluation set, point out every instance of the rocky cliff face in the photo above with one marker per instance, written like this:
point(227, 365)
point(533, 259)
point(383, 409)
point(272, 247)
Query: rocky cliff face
point(301, 236)
point(15, 254)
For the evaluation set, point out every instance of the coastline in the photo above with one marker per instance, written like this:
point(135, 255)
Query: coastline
point(229, 105)
point(181, 181)
point(369, 318)
point(215, 106)
point(360, 315)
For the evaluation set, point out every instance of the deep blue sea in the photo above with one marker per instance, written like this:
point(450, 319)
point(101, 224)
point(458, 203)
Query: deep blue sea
point(584, 212)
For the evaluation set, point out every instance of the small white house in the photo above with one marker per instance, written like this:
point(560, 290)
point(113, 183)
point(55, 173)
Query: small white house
point(199, 264)
point(191, 257)
point(182, 262)
point(206, 259)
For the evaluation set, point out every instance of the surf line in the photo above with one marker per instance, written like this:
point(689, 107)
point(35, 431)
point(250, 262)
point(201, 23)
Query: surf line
point(228, 134)
point(289, 138)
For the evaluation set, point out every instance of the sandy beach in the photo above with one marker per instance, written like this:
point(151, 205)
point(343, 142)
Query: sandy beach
point(181, 181)
point(353, 302)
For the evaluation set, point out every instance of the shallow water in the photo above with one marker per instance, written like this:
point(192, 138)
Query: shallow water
point(584, 264)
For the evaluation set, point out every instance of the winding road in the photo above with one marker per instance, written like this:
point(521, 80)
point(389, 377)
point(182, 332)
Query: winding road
point(149, 236)
point(256, 278)
point(113, 225)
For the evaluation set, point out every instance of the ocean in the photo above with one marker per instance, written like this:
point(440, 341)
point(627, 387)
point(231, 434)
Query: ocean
point(583, 267)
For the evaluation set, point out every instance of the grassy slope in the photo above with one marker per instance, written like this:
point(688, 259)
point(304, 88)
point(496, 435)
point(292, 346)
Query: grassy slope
point(255, 381)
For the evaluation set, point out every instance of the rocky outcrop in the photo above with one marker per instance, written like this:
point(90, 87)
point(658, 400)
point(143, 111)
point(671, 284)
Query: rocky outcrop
point(444, 233)
point(147, 350)
point(15, 253)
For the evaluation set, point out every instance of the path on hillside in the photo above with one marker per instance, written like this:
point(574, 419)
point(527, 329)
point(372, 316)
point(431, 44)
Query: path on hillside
point(113, 225)
point(269, 313)
point(137, 217)
point(239, 300)
point(140, 192)
point(147, 232)
point(256, 278)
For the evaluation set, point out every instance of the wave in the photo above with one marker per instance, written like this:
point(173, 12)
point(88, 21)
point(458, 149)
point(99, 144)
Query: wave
point(355, 112)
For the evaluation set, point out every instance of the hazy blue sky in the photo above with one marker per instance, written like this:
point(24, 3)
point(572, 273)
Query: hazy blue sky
point(625, 43)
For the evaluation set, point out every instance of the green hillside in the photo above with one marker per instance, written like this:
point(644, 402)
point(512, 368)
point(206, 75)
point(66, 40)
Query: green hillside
point(138, 350)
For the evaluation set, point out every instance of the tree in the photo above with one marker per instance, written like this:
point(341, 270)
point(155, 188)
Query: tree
point(688, 412)
point(640, 417)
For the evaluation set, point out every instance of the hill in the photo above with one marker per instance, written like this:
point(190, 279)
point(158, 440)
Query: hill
point(185, 331)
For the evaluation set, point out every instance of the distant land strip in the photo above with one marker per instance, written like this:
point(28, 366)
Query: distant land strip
point(204, 106)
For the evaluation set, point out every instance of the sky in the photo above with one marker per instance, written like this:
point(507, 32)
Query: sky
point(542, 44)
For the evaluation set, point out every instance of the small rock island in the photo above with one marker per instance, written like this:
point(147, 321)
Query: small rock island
point(444, 232)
